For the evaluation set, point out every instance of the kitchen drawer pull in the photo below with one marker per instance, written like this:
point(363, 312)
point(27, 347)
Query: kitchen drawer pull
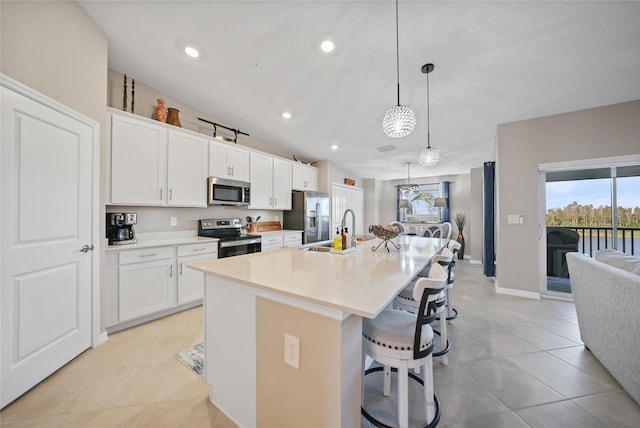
point(170, 271)
point(148, 255)
point(181, 268)
point(170, 194)
point(161, 189)
point(198, 249)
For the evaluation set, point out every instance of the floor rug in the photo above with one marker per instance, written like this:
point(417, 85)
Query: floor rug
point(193, 358)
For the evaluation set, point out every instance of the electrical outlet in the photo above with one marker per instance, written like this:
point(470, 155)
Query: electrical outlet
point(173, 221)
point(292, 350)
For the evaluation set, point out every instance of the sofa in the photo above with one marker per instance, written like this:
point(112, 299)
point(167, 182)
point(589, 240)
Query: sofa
point(606, 292)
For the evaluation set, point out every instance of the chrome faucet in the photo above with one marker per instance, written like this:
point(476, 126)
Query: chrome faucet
point(354, 241)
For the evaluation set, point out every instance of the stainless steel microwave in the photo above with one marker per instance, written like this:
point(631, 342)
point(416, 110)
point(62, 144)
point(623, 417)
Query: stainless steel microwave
point(228, 192)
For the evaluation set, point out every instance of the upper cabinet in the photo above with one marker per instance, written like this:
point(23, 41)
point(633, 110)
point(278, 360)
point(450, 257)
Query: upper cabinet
point(270, 183)
point(227, 161)
point(154, 165)
point(187, 170)
point(304, 177)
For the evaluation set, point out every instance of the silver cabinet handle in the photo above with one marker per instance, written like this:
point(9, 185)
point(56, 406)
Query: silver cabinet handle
point(171, 271)
point(149, 255)
point(170, 194)
point(86, 248)
point(181, 268)
point(232, 171)
point(161, 189)
point(198, 249)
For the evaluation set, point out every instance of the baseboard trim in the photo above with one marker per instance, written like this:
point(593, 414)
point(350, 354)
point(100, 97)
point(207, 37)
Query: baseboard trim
point(518, 293)
point(475, 262)
point(102, 338)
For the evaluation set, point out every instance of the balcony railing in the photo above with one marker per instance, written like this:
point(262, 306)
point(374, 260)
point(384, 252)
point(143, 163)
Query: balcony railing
point(601, 238)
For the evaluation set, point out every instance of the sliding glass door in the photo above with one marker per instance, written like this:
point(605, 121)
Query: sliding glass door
point(587, 211)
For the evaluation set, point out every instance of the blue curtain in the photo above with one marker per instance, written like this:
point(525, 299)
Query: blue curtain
point(398, 209)
point(488, 218)
point(445, 194)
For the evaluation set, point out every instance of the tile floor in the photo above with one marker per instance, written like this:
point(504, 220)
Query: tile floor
point(514, 362)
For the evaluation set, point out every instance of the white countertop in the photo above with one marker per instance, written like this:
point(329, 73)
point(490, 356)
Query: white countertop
point(362, 283)
point(160, 241)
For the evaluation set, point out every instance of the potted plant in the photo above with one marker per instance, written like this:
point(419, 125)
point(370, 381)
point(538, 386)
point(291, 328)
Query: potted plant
point(461, 220)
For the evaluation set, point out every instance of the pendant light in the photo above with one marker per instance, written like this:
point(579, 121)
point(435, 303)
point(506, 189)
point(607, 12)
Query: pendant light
point(428, 156)
point(399, 121)
point(409, 188)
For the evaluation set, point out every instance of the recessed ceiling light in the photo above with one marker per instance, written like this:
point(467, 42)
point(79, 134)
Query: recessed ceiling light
point(334, 147)
point(286, 115)
point(327, 46)
point(192, 52)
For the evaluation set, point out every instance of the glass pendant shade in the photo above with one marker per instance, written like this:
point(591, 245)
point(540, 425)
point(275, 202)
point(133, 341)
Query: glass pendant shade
point(399, 121)
point(429, 156)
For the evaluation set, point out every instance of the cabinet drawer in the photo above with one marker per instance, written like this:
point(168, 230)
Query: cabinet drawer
point(271, 240)
point(293, 237)
point(146, 255)
point(195, 249)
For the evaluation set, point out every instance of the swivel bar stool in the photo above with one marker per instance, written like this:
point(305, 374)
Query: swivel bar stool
point(404, 341)
point(406, 302)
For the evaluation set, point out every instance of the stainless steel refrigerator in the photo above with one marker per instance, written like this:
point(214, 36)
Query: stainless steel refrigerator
point(309, 213)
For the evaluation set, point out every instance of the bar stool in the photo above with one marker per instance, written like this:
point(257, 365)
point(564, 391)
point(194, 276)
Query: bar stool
point(405, 301)
point(454, 247)
point(404, 341)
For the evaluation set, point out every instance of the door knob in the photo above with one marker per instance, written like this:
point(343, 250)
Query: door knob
point(86, 248)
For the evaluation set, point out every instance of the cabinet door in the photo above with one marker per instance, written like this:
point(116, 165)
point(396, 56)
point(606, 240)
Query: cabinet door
point(304, 177)
point(146, 288)
point(356, 203)
point(138, 162)
point(261, 181)
point(188, 167)
point(238, 160)
point(191, 281)
point(218, 166)
point(281, 184)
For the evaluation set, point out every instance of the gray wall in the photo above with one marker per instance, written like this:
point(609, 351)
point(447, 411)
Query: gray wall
point(56, 49)
point(475, 216)
point(587, 134)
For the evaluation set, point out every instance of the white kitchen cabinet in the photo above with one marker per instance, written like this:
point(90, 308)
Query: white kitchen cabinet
point(145, 288)
point(270, 183)
point(227, 161)
point(343, 197)
point(138, 161)
point(272, 241)
point(304, 177)
point(152, 164)
point(144, 284)
point(292, 239)
point(191, 281)
point(187, 170)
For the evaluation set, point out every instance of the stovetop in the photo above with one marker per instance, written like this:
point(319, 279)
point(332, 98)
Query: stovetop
point(225, 229)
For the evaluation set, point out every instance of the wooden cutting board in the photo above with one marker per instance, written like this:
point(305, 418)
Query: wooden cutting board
point(268, 226)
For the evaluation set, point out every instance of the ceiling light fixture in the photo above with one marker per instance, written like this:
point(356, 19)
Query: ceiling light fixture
point(428, 156)
point(399, 121)
point(327, 46)
point(192, 52)
point(409, 188)
point(334, 147)
point(286, 115)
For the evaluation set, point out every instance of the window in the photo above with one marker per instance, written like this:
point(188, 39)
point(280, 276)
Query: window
point(420, 203)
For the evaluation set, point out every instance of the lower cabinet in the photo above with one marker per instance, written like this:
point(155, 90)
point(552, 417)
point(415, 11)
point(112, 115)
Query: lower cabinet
point(144, 284)
point(275, 241)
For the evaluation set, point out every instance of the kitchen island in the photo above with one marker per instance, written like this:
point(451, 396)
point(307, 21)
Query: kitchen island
point(318, 298)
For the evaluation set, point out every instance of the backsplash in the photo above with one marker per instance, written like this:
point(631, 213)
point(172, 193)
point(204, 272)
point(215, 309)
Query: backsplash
point(157, 219)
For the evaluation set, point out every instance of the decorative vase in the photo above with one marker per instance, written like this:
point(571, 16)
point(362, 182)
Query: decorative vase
point(161, 111)
point(172, 117)
point(461, 242)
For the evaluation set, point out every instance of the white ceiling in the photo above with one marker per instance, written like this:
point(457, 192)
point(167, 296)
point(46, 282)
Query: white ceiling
point(495, 62)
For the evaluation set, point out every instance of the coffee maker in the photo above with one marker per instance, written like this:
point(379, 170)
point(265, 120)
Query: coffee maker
point(120, 228)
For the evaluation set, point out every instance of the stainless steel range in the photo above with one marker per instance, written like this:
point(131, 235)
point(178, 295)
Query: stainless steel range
point(229, 232)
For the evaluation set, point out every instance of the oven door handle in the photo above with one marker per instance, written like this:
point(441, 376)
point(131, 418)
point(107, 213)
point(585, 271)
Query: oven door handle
point(239, 242)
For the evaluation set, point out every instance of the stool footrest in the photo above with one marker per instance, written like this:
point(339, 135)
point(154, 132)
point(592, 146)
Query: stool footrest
point(377, 423)
point(454, 316)
point(442, 351)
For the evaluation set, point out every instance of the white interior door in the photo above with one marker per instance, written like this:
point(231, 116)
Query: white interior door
point(46, 213)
